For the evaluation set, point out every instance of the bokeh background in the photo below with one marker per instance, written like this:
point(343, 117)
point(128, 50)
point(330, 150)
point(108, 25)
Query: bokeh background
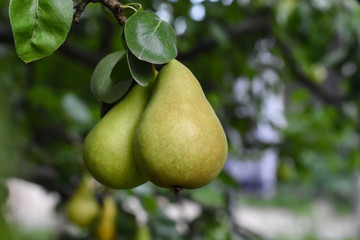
point(283, 77)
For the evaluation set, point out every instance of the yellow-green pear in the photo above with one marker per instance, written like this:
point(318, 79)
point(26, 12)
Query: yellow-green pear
point(108, 147)
point(142, 232)
point(106, 226)
point(82, 208)
point(179, 142)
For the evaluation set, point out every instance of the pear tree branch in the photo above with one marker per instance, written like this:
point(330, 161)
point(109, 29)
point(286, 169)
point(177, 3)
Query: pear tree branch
point(329, 98)
point(113, 5)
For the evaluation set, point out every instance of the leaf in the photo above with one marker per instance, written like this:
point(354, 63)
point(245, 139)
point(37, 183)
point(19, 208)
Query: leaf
point(141, 71)
point(39, 26)
point(149, 203)
point(227, 180)
point(208, 196)
point(111, 78)
point(149, 38)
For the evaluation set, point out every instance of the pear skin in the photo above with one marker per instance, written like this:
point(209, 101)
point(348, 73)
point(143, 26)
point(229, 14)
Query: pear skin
point(179, 142)
point(108, 147)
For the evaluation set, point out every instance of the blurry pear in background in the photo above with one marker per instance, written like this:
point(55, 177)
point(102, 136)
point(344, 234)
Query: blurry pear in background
point(179, 141)
point(142, 233)
point(286, 171)
point(106, 226)
point(82, 208)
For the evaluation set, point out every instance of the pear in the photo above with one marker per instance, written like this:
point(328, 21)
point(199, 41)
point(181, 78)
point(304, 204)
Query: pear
point(179, 142)
point(108, 147)
point(142, 232)
point(82, 208)
point(106, 227)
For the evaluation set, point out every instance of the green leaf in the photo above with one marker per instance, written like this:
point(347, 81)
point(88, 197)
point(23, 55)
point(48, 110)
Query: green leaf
point(226, 179)
point(149, 203)
point(111, 78)
point(209, 196)
point(39, 26)
point(149, 38)
point(141, 71)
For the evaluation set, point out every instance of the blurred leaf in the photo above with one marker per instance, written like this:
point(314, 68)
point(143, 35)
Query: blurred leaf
point(300, 95)
point(149, 203)
point(162, 227)
point(209, 196)
point(226, 179)
point(355, 159)
point(218, 34)
point(284, 11)
point(44, 97)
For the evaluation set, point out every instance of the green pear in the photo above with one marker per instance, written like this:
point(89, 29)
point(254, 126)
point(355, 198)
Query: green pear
point(179, 142)
point(82, 208)
point(108, 147)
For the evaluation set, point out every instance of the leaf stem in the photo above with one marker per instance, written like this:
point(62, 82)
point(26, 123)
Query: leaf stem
point(138, 5)
point(127, 6)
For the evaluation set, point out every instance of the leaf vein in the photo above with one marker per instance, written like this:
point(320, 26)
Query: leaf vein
point(35, 27)
point(147, 41)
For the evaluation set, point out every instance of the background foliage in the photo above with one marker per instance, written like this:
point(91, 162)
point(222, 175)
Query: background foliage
point(281, 75)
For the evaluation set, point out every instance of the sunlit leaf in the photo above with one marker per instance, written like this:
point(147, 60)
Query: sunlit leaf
point(149, 38)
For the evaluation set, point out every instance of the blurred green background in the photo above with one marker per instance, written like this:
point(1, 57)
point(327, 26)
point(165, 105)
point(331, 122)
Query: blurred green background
point(282, 76)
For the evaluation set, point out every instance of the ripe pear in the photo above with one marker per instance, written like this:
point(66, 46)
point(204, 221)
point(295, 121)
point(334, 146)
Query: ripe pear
point(179, 142)
point(82, 208)
point(106, 227)
point(108, 147)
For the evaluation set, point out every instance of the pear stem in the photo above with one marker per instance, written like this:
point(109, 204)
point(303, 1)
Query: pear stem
point(177, 190)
